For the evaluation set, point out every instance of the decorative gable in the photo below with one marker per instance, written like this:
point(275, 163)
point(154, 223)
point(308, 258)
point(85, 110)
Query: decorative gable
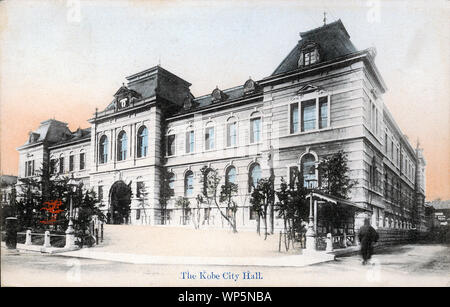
point(218, 95)
point(250, 86)
point(124, 97)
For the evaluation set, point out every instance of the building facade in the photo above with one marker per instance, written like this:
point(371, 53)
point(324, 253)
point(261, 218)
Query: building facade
point(324, 97)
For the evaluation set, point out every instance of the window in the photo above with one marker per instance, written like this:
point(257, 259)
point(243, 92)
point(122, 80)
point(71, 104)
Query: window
point(308, 115)
point(122, 142)
point(392, 150)
point(82, 160)
point(142, 142)
point(373, 173)
point(138, 214)
point(53, 166)
point(103, 152)
point(294, 118)
point(71, 163)
point(308, 169)
point(100, 193)
point(253, 214)
point(255, 130)
point(189, 183)
point(61, 165)
point(190, 141)
point(171, 145)
point(29, 168)
point(323, 112)
point(231, 133)
point(171, 179)
point(310, 56)
point(139, 188)
point(255, 175)
point(293, 175)
point(386, 143)
point(209, 138)
point(230, 175)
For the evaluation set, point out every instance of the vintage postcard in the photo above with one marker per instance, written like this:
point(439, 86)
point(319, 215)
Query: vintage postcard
point(224, 144)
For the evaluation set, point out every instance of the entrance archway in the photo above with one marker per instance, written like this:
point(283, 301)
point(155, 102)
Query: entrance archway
point(119, 203)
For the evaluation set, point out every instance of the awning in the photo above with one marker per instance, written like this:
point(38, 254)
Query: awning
point(335, 200)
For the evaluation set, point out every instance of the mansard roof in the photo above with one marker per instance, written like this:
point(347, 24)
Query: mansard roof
point(49, 131)
point(77, 135)
point(332, 39)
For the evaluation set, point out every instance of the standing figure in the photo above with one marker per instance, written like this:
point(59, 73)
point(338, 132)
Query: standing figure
point(367, 235)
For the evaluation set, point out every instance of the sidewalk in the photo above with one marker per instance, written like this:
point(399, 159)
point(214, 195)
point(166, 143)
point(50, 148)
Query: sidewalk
point(40, 248)
point(281, 261)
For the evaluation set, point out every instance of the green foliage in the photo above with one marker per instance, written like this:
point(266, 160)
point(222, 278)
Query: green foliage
point(223, 199)
point(333, 172)
point(336, 182)
point(184, 203)
point(165, 193)
point(261, 198)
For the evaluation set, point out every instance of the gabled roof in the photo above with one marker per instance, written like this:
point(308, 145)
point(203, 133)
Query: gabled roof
point(332, 39)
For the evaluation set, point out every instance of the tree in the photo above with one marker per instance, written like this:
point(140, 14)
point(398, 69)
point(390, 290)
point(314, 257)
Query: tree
point(166, 192)
point(261, 199)
point(223, 199)
point(184, 203)
point(293, 207)
point(336, 182)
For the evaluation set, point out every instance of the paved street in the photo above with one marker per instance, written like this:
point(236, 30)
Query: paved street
point(407, 265)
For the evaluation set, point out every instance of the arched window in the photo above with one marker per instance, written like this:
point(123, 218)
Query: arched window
point(103, 150)
point(122, 142)
point(188, 183)
point(308, 169)
point(142, 142)
point(230, 175)
point(254, 176)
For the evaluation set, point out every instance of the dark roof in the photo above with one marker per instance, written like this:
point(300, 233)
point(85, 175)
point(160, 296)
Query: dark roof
point(7, 180)
point(78, 135)
point(332, 39)
point(441, 204)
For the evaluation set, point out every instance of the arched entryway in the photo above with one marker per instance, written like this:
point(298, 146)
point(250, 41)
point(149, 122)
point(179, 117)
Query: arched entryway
point(119, 203)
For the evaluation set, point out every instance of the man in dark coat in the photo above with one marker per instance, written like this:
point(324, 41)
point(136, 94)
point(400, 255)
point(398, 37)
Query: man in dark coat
point(367, 235)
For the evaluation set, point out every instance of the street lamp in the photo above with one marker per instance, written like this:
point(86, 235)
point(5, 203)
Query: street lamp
point(70, 233)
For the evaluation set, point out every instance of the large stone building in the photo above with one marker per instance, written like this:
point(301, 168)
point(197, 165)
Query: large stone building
point(325, 96)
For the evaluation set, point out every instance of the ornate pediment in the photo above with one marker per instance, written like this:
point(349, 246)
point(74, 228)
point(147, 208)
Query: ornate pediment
point(218, 95)
point(124, 97)
point(308, 88)
point(250, 86)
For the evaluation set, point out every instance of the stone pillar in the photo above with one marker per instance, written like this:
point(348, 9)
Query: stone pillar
point(28, 237)
point(47, 239)
point(345, 239)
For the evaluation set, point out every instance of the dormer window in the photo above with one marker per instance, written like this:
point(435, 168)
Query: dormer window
point(309, 55)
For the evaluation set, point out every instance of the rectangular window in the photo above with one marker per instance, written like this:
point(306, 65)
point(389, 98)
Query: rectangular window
point(323, 112)
point(139, 188)
point(308, 115)
point(61, 165)
point(386, 143)
point(53, 166)
point(231, 134)
point(100, 192)
point(71, 163)
point(209, 138)
point(293, 175)
point(253, 215)
point(294, 118)
point(255, 130)
point(171, 145)
point(392, 150)
point(138, 214)
point(189, 141)
point(82, 160)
